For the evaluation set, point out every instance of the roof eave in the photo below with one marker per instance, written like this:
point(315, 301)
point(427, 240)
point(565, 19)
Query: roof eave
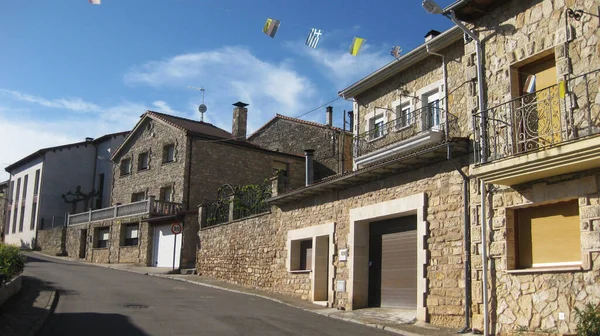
point(416, 55)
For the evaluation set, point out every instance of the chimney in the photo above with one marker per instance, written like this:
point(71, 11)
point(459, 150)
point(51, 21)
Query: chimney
point(88, 139)
point(431, 35)
point(309, 153)
point(351, 120)
point(329, 116)
point(240, 118)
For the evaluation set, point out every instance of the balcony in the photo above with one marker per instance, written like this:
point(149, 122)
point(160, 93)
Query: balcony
point(149, 207)
point(408, 132)
point(541, 134)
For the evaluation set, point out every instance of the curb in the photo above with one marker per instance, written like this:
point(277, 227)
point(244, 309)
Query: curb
point(48, 310)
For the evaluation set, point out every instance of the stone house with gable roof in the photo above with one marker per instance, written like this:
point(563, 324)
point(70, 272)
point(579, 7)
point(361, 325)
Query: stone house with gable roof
point(332, 145)
point(163, 171)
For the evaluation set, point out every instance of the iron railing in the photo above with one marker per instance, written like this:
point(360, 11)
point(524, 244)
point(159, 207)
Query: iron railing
point(241, 202)
point(149, 206)
point(563, 112)
point(406, 126)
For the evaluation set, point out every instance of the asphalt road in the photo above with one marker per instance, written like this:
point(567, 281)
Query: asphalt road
point(101, 301)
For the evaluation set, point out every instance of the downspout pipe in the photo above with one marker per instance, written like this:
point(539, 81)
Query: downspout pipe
point(444, 74)
point(483, 158)
point(466, 242)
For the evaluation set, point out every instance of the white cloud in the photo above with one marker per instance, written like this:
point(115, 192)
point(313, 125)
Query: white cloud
point(73, 104)
point(339, 66)
point(230, 74)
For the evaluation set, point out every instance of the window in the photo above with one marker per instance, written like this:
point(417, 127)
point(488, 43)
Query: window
point(403, 116)
point(22, 217)
point(376, 127)
point(7, 222)
point(301, 255)
point(100, 194)
point(125, 167)
point(169, 153)
point(130, 234)
point(25, 180)
point(14, 227)
point(33, 213)
point(18, 189)
point(10, 191)
point(139, 196)
point(143, 161)
point(548, 235)
point(102, 236)
point(36, 185)
point(166, 194)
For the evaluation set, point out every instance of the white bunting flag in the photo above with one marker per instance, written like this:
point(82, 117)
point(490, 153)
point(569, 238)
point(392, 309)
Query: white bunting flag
point(313, 38)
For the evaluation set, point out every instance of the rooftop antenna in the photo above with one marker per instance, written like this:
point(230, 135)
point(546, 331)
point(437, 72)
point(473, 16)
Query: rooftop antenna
point(201, 108)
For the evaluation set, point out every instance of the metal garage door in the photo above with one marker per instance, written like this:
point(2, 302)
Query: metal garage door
point(393, 263)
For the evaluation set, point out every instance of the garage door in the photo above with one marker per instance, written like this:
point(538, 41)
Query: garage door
point(393, 263)
point(165, 244)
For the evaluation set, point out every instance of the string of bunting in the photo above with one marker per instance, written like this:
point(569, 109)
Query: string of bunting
point(312, 40)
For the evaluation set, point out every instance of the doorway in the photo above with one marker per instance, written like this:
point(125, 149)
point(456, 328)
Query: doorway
point(83, 237)
point(167, 247)
point(393, 263)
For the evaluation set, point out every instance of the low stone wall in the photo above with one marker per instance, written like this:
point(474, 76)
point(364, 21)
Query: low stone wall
point(52, 242)
point(10, 289)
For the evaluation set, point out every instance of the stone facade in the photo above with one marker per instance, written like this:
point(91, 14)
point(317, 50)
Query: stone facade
point(52, 241)
point(526, 31)
point(115, 251)
point(290, 135)
point(151, 137)
point(254, 253)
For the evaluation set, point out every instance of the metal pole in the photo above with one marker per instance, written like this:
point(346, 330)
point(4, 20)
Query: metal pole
point(174, 250)
point(484, 259)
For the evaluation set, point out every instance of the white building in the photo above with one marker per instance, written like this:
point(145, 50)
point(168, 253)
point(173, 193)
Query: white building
point(38, 181)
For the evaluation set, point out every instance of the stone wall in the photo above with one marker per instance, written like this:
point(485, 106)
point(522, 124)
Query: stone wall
point(52, 241)
point(294, 137)
point(191, 240)
point(217, 163)
point(524, 31)
point(116, 251)
point(413, 81)
point(532, 301)
point(253, 252)
point(151, 137)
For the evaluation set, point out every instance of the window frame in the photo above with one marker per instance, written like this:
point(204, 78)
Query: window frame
point(143, 161)
point(36, 185)
point(373, 122)
point(404, 120)
point(162, 192)
point(125, 167)
point(98, 234)
point(134, 198)
point(166, 149)
point(299, 259)
point(129, 241)
point(33, 215)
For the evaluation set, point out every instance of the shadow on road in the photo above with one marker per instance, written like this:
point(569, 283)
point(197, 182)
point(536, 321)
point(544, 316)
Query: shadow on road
point(90, 324)
point(18, 314)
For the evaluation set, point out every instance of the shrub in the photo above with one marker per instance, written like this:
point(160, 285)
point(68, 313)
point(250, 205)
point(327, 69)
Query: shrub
point(12, 262)
point(588, 320)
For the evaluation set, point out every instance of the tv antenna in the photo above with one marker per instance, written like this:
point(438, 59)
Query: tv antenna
point(201, 108)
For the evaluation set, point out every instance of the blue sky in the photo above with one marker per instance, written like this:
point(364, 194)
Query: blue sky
point(69, 69)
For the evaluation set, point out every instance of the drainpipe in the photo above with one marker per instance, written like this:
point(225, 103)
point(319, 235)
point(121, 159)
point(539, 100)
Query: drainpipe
point(466, 242)
point(443, 74)
point(482, 138)
point(309, 166)
point(189, 174)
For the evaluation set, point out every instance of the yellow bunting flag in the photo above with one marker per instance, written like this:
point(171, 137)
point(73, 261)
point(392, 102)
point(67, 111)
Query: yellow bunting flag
point(562, 89)
point(271, 26)
point(357, 43)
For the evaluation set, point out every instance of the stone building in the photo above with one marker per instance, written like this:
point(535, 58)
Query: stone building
point(537, 158)
point(526, 252)
point(163, 171)
point(332, 145)
point(333, 242)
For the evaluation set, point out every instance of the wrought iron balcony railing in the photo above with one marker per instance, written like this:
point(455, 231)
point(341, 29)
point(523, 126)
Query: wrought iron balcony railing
point(149, 206)
point(405, 126)
point(563, 112)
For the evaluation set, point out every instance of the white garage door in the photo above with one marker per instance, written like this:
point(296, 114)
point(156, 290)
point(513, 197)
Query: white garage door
point(165, 244)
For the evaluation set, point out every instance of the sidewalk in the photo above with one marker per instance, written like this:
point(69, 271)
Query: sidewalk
point(394, 320)
point(26, 312)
